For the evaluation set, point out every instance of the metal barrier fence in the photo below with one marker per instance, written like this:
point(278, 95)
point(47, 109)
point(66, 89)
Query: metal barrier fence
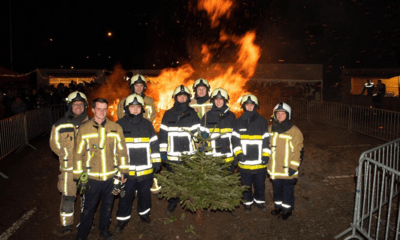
point(57, 112)
point(12, 134)
point(377, 205)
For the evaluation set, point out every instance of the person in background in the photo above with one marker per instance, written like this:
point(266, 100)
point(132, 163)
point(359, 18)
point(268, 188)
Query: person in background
point(18, 106)
point(369, 86)
point(283, 168)
point(201, 102)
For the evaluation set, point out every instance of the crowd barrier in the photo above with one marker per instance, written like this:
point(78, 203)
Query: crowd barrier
point(12, 134)
point(377, 205)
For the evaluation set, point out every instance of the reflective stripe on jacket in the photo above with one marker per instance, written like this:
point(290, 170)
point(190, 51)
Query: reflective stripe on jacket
point(285, 149)
point(201, 109)
point(100, 150)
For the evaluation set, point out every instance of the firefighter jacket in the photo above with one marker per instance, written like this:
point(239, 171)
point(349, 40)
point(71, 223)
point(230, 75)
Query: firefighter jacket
point(202, 108)
point(100, 150)
point(286, 148)
point(251, 131)
point(149, 108)
point(142, 146)
point(219, 122)
point(62, 139)
point(174, 138)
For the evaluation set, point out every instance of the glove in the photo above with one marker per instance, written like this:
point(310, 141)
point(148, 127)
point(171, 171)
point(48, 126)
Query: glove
point(156, 169)
point(117, 186)
point(164, 157)
point(291, 172)
point(83, 183)
point(264, 160)
point(205, 135)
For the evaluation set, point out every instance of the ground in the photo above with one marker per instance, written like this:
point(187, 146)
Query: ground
point(323, 208)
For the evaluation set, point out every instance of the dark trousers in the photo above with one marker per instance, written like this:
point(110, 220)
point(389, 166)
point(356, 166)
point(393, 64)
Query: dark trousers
point(284, 193)
point(144, 199)
point(98, 189)
point(258, 180)
point(172, 200)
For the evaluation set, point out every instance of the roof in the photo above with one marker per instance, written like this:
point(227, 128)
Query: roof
point(371, 72)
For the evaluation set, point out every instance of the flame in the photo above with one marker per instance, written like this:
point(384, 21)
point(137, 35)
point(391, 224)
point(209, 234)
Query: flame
point(216, 9)
point(232, 77)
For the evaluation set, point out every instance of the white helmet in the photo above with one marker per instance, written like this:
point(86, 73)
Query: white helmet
point(76, 96)
point(155, 188)
point(201, 82)
point(181, 90)
point(133, 99)
point(249, 98)
point(220, 93)
point(138, 79)
point(283, 107)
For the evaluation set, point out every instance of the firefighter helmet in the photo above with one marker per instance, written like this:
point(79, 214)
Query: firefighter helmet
point(220, 93)
point(283, 107)
point(201, 82)
point(133, 99)
point(138, 79)
point(76, 96)
point(181, 90)
point(249, 98)
point(155, 189)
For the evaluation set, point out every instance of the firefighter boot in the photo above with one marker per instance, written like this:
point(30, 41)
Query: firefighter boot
point(285, 215)
point(120, 227)
point(66, 229)
point(170, 209)
point(276, 211)
point(106, 235)
point(146, 219)
point(247, 209)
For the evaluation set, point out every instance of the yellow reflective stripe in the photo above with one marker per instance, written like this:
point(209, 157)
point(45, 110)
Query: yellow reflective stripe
point(81, 144)
point(149, 111)
point(238, 152)
point(103, 161)
point(251, 137)
point(57, 133)
point(123, 163)
point(226, 130)
point(102, 137)
point(251, 167)
point(163, 149)
point(104, 175)
point(295, 163)
point(79, 167)
point(291, 146)
point(221, 130)
point(89, 155)
point(287, 156)
point(66, 154)
point(137, 140)
point(115, 152)
point(145, 172)
point(65, 184)
point(90, 135)
point(274, 138)
point(114, 135)
point(285, 136)
point(264, 154)
point(155, 160)
point(229, 159)
point(132, 173)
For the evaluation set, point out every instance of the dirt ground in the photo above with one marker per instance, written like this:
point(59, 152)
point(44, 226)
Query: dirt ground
point(324, 197)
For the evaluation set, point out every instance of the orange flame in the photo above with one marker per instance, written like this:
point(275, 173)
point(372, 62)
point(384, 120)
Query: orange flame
point(216, 9)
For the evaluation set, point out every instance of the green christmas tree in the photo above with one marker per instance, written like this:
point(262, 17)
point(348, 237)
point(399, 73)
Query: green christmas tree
point(203, 182)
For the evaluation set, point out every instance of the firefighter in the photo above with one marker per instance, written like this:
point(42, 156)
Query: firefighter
point(251, 130)
point(100, 153)
point(286, 146)
point(219, 121)
point(143, 158)
point(174, 138)
point(62, 142)
point(201, 102)
point(369, 86)
point(138, 85)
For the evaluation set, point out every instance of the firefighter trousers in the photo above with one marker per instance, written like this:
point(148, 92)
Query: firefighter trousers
point(67, 187)
point(284, 193)
point(258, 180)
point(172, 200)
point(98, 190)
point(144, 199)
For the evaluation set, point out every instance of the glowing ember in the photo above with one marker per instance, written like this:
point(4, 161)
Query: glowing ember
point(216, 9)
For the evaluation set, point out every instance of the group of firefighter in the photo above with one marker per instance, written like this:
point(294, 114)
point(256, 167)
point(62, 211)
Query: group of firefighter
point(100, 158)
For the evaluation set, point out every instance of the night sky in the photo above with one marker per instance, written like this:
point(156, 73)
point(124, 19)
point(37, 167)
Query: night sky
point(156, 34)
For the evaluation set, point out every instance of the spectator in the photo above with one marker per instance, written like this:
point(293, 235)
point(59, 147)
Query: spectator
point(18, 106)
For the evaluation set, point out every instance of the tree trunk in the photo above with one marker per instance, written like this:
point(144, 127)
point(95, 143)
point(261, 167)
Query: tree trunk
point(199, 217)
